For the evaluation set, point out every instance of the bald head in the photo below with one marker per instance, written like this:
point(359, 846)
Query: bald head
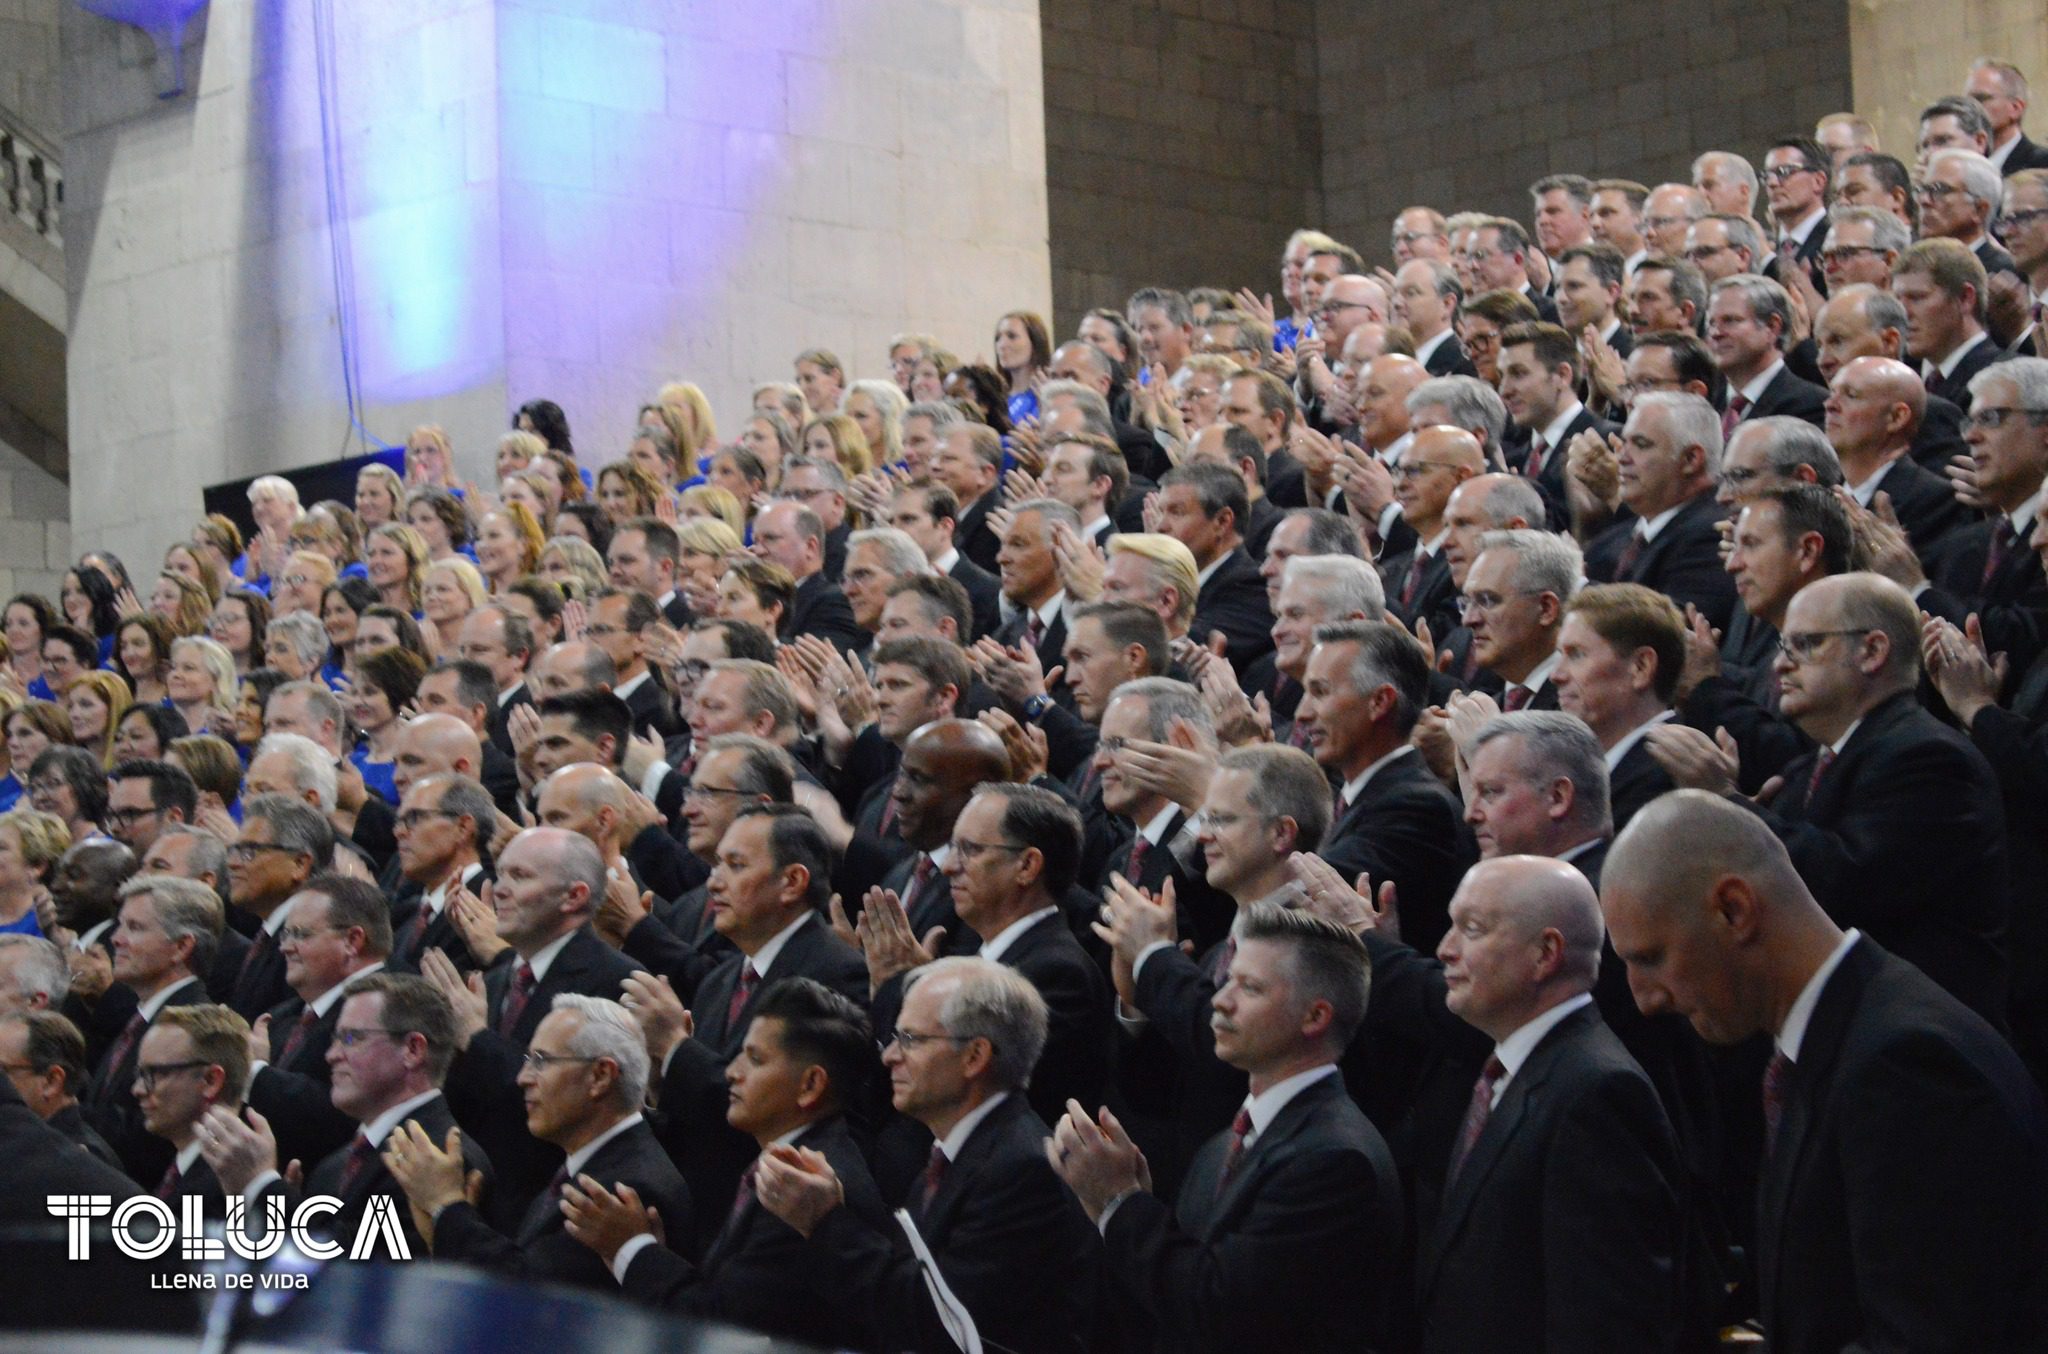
point(943, 762)
point(1893, 381)
point(964, 752)
point(436, 745)
point(1672, 852)
point(571, 666)
point(586, 799)
point(1525, 935)
point(1454, 446)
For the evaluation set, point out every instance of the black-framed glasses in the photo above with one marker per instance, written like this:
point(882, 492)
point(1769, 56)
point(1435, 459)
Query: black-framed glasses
point(147, 1075)
point(2008, 220)
point(1802, 647)
point(1937, 191)
point(247, 851)
point(537, 1062)
point(1993, 416)
point(1780, 173)
point(411, 819)
point(968, 849)
point(129, 817)
point(910, 1041)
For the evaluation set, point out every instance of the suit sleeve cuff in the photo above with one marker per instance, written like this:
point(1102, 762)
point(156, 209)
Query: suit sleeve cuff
point(253, 1195)
point(650, 784)
point(1109, 1209)
point(1138, 964)
point(623, 1261)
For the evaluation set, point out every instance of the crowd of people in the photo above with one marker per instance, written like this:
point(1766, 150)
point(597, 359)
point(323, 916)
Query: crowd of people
point(1492, 803)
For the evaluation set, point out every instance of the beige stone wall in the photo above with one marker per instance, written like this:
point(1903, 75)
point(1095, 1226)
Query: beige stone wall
point(1908, 53)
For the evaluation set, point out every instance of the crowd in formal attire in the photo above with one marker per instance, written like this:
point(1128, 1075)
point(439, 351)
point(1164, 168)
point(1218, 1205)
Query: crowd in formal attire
point(1491, 803)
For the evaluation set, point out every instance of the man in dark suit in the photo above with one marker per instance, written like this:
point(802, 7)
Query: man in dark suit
point(1364, 689)
point(163, 940)
point(642, 557)
point(1006, 1235)
point(340, 928)
point(1418, 583)
point(548, 884)
point(1944, 287)
point(192, 1059)
point(1904, 1193)
point(1288, 1230)
point(444, 824)
point(1590, 279)
point(395, 1037)
point(585, 1080)
point(2001, 90)
point(1621, 650)
point(1515, 592)
point(1875, 409)
point(1539, 372)
point(501, 641)
point(1671, 540)
point(1559, 1215)
point(283, 843)
point(44, 1055)
point(1204, 507)
point(807, 1059)
point(1748, 323)
point(969, 462)
point(1034, 595)
point(925, 513)
point(1426, 297)
point(789, 534)
point(42, 1162)
point(619, 621)
point(462, 690)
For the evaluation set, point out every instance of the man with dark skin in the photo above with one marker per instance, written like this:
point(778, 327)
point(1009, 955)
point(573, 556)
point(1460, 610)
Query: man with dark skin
point(942, 763)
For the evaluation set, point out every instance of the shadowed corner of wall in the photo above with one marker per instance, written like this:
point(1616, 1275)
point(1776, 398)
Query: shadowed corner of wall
point(164, 21)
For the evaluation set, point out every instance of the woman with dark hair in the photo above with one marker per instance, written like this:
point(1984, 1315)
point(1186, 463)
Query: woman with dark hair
point(386, 627)
point(341, 610)
point(146, 732)
point(89, 603)
point(1110, 334)
point(541, 601)
point(67, 781)
point(239, 620)
point(142, 654)
point(29, 730)
point(439, 518)
point(586, 520)
point(1023, 352)
point(545, 419)
point(250, 703)
point(386, 680)
point(986, 390)
point(24, 621)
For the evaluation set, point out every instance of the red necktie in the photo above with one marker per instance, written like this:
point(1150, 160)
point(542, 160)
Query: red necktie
point(934, 1173)
point(125, 1045)
point(1538, 449)
point(1774, 1099)
point(1140, 848)
point(1821, 764)
point(297, 1040)
point(264, 943)
point(918, 878)
point(745, 1195)
point(516, 997)
point(167, 1188)
point(1515, 698)
point(1219, 969)
point(1476, 1115)
point(360, 1153)
point(1413, 583)
point(1737, 407)
point(1035, 631)
point(415, 931)
point(888, 814)
point(1240, 1129)
point(2002, 538)
point(1632, 552)
point(740, 992)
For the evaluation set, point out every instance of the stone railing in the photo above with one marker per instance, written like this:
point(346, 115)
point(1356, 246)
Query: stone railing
point(31, 182)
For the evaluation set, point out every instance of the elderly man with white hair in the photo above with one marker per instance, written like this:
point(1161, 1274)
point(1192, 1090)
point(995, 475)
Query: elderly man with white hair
point(875, 558)
point(1960, 192)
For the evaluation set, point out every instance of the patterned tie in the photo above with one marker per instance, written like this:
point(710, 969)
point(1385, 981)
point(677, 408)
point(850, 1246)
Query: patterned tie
point(1140, 848)
point(918, 878)
point(1034, 633)
point(1538, 449)
point(407, 946)
point(888, 814)
point(934, 1173)
point(740, 992)
point(2003, 538)
point(1240, 1129)
point(1630, 553)
point(516, 997)
point(265, 944)
point(1774, 1099)
point(745, 1194)
point(297, 1039)
point(125, 1045)
point(1476, 1115)
point(1515, 697)
point(167, 1188)
point(1737, 407)
point(360, 1154)
point(1412, 584)
point(1821, 764)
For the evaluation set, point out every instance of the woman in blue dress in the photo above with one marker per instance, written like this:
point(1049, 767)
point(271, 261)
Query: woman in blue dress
point(26, 619)
point(385, 682)
point(30, 845)
point(1023, 352)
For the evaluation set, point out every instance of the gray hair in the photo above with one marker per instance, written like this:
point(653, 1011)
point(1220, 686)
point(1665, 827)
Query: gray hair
point(39, 969)
point(1968, 113)
point(765, 689)
point(273, 486)
point(2029, 376)
point(1094, 409)
point(293, 826)
point(1286, 783)
point(304, 632)
point(1325, 962)
point(609, 1031)
point(1556, 744)
point(323, 704)
point(900, 555)
point(1742, 233)
point(312, 765)
point(939, 413)
point(209, 854)
point(1886, 231)
point(1544, 560)
point(1794, 443)
point(1765, 298)
point(1344, 584)
point(1507, 497)
point(1981, 178)
point(1693, 421)
point(1742, 170)
point(1880, 308)
point(1329, 533)
point(1049, 510)
point(765, 769)
point(184, 907)
point(829, 469)
point(1165, 701)
point(994, 1003)
point(1472, 404)
point(467, 798)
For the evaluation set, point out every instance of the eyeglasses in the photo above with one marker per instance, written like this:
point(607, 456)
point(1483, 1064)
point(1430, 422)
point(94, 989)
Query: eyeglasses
point(1486, 601)
point(1329, 308)
point(348, 1036)
point(246, 851)
point(1737, 478)
point(1842, 253)
point(412, 819)
point(46, 786)
point(1802, 647)
point(1936, 191)
point(1983, 417)
point(1411, 236)
point(299, 935)
point(910, 1041)
point(538, 1062)
point(1705, 251)
point(2011, 219)
point(708, 791)
point(1780, 173)
point(1412, 469)
point(969, 850)
point(147, 1075)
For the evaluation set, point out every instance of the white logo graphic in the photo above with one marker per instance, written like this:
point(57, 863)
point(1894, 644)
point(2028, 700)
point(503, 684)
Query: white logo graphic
point(380, 1221)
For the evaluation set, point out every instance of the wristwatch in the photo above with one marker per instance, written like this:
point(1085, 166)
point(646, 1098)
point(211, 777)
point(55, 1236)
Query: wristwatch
point(1036, 706)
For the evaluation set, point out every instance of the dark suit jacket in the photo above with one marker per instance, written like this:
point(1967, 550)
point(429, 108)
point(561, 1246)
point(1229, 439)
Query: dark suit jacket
point(222, 973)
point(1300, 1249)
point(1006, 1233)
point(1435, 598)
point(1940, 437)
point(1905, 1205)
point(1169, 1073)
point(2025, 154)
point(984, 590)
point(1234, 601)
point(653, 712)
point(1924, 501)
point(260, 984)
point(373, 1181)
point(835, 550)
point(1788, 394)
point(501, 713)
point(972, 535)
point(1205, 913)
point(1904, 836)
point(1955, 387)
point(820, 608)
point(1562, 1229)
point(2013, 607)
point(744, 1275)
point(1406, 826)
point(1993, 257)
point(1635, 782)
point(1449, 359)
point(1550, 482)
point(542, 1248)
point(109, 1104)
point(1683, 561)
point(292, 1093)
point(70, 1121)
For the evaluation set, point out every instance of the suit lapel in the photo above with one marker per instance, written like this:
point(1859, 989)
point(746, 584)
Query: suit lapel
point(1264, 1149)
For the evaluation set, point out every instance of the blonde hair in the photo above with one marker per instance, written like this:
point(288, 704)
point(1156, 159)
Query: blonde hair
point(890, 403)
point(466, 577)
point(195, 608)
point(583, 561)
point(642, 489)
point(219, 664)
point(1173, 565)
point(43, 836)
point(321, 564)
point(849, 443)
point(393, 486)
point(414, 547)
point(720, 503)
point(533, 444)
point(699, 427)
point(707, 536)
point(531, 539)
point(209, 577)
point(435, 436)
point(113, 693)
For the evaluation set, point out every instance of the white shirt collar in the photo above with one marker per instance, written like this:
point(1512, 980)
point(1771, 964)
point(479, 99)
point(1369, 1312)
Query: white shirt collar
point(1539, 674)
point(940, 855)
point(509, 692)
point(1998, 152)
point(274, 923)
point(2023, 516)
point(1553, 432)
point(1203, 576)
point(1357, 783)
point(1426, 349)
point(1634, 736)
point(1762, 380)
point(580, 1158)
point(437, 899)
point(1397, 449)
point(544, 958)
point(956, 1137)
point(1843, 742)
point(1635, 261)
point(1514, 1050)
point(1427, 549)
point(1806, 227)
point(91, 937)
point(1093, 529)
point(1948, 365)
point(1792, 1033)
point(380, 1127)
point(631, 684)
point(1265, 1107)
point(664, 600)
point(1613, 327)
point(1867, 490)
point(944, 563)
point(188, 1154)
point(149, 1006)
point(1650, 526)
point(994, 948)
point(1571, 853)
point(324, 1003)
point(1155, 827)
point(763, 959)
point(1048, 613)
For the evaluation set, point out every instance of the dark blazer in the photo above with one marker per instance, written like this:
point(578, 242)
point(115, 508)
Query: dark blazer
point(835, 550)
point(1550, 482)
point(1406, 826)
point(1788, 394)
point(1940, 437)
point(260, 985)
point(1299, 1250)
point(70, 1121)
point(1234, 601)
point(1993, 256)
point(984, 590)
point(1435, 597)
point(440, 932)
point(1205, 912)
point(221, 974)
point(1683, 561)
point(292, 1093)
point(542, 1248)
point(1052, 645)
point(820, 608)
point(677, 611)
point(744, 1275)
point(1634, 782)
point(1924, 501)
point(1006, 1233)
point(2012, 607)
point(972, 535)
point(1169, 1072)
point(1905, 1205)
point(202, 1184)
point(1955, 387)
point(1449, 358)
point(1075, 1063)
point(2013, 741)
point(653, 712)
point(812, 952)
point(109, 1103)
point(501, 713)
point(1562, 1229)
point(2025, 154)
point(1904, 836)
